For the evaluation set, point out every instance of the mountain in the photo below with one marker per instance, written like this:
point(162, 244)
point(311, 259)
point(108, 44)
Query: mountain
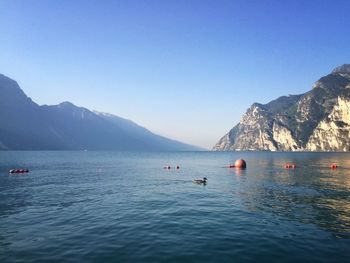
point(318, 120)
point(24, 125)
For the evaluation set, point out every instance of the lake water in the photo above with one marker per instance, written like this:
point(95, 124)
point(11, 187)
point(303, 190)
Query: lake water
point(124, 207)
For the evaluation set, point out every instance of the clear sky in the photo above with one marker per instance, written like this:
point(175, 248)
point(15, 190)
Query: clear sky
point(184, 69)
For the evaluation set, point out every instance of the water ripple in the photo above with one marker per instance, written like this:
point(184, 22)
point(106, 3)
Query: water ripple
point(101, 207)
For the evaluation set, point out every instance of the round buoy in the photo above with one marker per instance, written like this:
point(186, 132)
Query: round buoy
point(334, 166)
point(240, 163)
point(177, 167)
point(294, 166)
point(287, 166)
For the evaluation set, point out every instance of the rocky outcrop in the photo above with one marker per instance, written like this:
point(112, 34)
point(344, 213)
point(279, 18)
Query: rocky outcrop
point(333, 133)
point(318, 120)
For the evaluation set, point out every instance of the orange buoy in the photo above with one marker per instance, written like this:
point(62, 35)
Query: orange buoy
point(290, 165)
point(240, 163)
point(334, 166)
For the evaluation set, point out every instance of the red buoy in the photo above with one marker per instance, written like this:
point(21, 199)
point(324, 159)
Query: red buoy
point(334, 166)
point(240, 163)
point(287, 166)
point(290, 166)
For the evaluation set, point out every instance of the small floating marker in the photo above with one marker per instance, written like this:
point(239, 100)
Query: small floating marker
point(290, 166)
point(177, 167)
point(334, 166)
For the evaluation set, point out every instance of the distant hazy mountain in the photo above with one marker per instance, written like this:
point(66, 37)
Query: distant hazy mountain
point(24, 125)
point(318, 120)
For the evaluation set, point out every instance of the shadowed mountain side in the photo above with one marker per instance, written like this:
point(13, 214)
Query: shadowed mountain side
point(24, 125)
point(145, 136)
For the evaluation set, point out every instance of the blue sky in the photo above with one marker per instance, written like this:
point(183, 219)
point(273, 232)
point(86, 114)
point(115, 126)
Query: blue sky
point(184, 69)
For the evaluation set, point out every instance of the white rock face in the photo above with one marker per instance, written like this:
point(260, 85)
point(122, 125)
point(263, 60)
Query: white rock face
point(318, 120)
point(252, 131)
point(284, 138)
point(224, 143)
point(332, 134)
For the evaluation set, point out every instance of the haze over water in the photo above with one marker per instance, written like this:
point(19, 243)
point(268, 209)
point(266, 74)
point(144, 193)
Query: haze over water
point(124, 207)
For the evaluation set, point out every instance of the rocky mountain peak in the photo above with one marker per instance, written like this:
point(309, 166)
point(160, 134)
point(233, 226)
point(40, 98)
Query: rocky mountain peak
point(343, 69)
point(10, 92)
point(66, 104)
point(317, 120)
point(7, 80)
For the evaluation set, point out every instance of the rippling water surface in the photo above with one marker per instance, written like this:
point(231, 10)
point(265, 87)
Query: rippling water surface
point(124, 207)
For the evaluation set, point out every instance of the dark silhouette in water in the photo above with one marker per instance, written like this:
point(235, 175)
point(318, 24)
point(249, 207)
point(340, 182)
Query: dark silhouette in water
point(201, 181)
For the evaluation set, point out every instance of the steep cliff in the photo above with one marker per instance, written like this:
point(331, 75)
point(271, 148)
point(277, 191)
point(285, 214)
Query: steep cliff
point(318, 120)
